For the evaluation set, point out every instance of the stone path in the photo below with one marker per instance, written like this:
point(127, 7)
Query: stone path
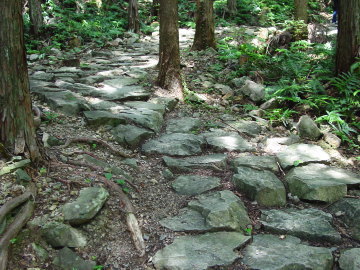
point(215, 224)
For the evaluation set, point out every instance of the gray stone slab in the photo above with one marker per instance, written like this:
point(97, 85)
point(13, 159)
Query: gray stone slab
point(349, 208)
point(222, 210)
point(308, 224)
point(215, 162)
point(227, 142)
point(131, 136)
point(261, 186)
point(146, 105)
point(183, 125)
point(251, 128)
point(99, 118)
point(121, 82)
point(350, 259)
point(319, 182)
point(187, 220)
point(102, 105)
point(150, 119)
point(66, 102)
point(194, 184)
point(200, 252)
point(174, 144)
point(297, 154)
point(256, 162)
point(42, 76)
point(66, 259)
point(170, 103)
point(62, 235)
point(269, 252)
point(86, 206)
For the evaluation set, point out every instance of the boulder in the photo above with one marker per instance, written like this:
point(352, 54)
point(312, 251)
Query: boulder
point(308, 129)
point(131, 136)
point(86, 206)
point(66, 259)
point(350, 259)
point(227, 142)
point(262, 186)
point(255, 91)
point(268, 163)
point(183, 125)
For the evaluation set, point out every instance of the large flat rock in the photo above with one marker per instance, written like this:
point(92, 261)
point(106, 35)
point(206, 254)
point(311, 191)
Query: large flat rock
point(200, 252)
point(183, 125)
point(307, 224)
point(297, 154)
point(251, 128)
point(146, 105)
point(187, 220)
point(350, 210)
point(215, 162)
point(62, 235)
point(228, 142)
point(174, 144)
point(269, 252)
point(222, 210)
point(318, 182)
point(256, 162)
point(99, 118)
point(350, 259)
point(194, 184)
point(262, 186)
point(131, 136)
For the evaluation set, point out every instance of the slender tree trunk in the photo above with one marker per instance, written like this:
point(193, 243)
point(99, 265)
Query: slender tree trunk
point(348, 39)
point(36, 17)
point(133, 16)
point(155, 8)
point(169, 52)
point(17, 131)
point(205, 26)
point(301, 7)
point(231, 7)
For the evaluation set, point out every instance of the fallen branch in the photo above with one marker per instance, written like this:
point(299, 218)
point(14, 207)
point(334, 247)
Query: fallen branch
point(97, 141)
point(14, 228)
point(12, 204)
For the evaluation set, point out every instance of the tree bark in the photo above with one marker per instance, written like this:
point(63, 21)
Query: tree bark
point(231, 7)
point(133, 16)
point(348, 39)
point(169, 52)
point(205, 26)
point(301, 7)
point(36, 17)
point(17, 130)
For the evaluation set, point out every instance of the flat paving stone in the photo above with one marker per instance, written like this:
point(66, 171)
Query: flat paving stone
point(251, 128)
point(228, 142)
point(350, 259)
point(131, 136)
point(319, 182)
point(99, 118)
point(269, 252)
point(215, 162)
point(297, 154)
point(268, 163)
point(262, 186)
point(308, 224)
point(194, 184)
point(183, 125)
point(175, 144)
point(349, 208)
point(187, 220)
point(222, 210)
point(146, 105)
point(199, 252)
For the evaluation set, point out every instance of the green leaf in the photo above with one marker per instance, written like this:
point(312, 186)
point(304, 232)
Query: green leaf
point(108, 176)
point(297, 162)
point(120, 181)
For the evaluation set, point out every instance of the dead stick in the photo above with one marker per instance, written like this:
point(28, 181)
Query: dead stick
point(94, 140)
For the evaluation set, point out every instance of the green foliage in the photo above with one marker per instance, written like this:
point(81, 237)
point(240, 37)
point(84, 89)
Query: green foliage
point(51, 117)
point(120, 182)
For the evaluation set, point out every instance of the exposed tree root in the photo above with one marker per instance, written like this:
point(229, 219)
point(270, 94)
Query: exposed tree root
point(20, 220)
point(97, 141)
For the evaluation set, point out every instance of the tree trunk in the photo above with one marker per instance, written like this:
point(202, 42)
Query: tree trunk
point(133, 16)
point(348, 39)
point(205, 26)
point(36, 17)
point(301, 7)
point(169, 52)
point(231, 7)
point(17, 130)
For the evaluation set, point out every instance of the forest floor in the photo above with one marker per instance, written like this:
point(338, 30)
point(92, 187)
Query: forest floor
point(109, 242)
